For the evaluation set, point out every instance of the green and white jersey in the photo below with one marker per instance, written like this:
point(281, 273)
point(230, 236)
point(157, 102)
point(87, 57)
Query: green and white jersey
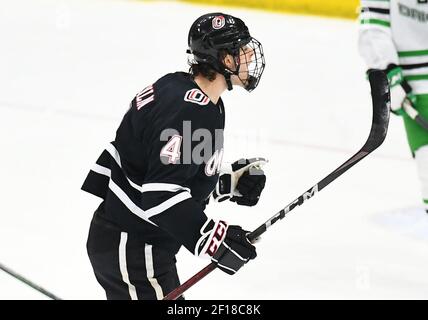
point(396, 31)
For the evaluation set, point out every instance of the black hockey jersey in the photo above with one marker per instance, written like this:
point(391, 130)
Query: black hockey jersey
point(162, 166)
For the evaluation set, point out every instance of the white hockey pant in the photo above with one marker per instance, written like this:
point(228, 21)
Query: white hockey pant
point(421, 156)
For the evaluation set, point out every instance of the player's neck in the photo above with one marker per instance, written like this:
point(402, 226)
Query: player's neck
point(213, 89)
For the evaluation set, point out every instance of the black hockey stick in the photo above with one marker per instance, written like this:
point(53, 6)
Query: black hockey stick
point(381, 104)
point(414, 114)
point(28, 282)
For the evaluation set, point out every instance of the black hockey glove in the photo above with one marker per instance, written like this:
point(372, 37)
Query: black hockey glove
point(241, 182)
point(227, 246)
point(234, 251)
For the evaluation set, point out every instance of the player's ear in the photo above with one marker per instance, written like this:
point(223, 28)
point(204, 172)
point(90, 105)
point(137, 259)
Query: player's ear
point(229, 62)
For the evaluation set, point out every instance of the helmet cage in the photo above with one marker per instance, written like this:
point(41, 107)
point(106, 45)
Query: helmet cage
point(255, 66)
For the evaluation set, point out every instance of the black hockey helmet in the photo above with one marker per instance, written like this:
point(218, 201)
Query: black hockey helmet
point(213, 34)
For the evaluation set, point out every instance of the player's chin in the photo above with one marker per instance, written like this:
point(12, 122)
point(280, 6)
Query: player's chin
point(238, 82)
point(243, 81)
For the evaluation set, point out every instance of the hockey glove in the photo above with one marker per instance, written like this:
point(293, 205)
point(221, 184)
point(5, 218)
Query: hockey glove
point(399, 88)
point(241, 182)
point(235, 251)
point(227, 246)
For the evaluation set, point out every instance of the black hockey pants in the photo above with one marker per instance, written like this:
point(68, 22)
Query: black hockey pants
point(127, 267)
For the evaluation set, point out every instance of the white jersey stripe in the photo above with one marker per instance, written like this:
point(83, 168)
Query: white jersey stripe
point(374, 15)
point(162, 187)
point(416, 71)
point(145, 187)
point(114, 153)
point(413, 60)
point(123, 265)
point(128, 202)
point(101, 170)
point(143, 214)
point(151, 272)
point(167, 204)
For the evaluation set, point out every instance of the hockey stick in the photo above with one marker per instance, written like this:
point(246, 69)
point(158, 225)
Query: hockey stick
point(414, 114)
point(410, 110)
point(381, 104)
point(28, 282)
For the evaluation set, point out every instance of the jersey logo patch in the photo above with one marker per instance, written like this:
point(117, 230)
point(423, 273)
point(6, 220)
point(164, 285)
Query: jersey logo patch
point(196, 96)
point(218, 22)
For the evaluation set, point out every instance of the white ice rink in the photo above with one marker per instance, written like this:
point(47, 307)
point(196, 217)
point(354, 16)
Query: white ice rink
point(68, 70)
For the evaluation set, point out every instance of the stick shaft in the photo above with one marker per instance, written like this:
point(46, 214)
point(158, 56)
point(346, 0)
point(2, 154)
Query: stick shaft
point(177, 292)
point(28, 282)
point(414, 114)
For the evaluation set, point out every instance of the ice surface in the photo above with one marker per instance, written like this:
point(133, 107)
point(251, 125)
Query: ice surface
point(68, 71)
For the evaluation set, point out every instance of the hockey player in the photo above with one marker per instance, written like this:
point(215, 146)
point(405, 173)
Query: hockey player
point(155, 178)
point(394, 37)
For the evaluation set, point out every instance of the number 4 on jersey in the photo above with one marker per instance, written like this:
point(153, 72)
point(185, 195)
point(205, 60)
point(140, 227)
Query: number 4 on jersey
point(171, 149)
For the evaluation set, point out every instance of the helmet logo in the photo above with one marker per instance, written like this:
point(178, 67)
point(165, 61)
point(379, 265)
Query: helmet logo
point(218, 22)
